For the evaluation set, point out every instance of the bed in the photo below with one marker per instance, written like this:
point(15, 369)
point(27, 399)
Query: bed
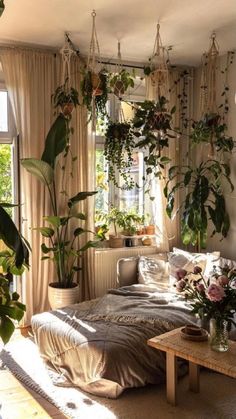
point(101, 345)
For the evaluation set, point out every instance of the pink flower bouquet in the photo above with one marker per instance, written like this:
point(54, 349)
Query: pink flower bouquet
point(213, 297)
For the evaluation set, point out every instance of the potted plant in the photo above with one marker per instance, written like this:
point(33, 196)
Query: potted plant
point(203, 202)
point(66, 97)
point(118, 148)
point(130, 222)
point(94, 86)
point(153, 123)
point(114, 220)
point(60, 238)
point(14, 258)
point(210, 129)
point(120, 82)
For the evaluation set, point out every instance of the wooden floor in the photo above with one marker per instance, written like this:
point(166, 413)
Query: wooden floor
point(19, 402)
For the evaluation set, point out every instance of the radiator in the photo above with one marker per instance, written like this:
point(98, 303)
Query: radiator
point(106, 263)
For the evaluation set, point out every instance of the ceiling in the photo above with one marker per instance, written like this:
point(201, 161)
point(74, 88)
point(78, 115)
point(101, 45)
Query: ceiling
point(185, 24)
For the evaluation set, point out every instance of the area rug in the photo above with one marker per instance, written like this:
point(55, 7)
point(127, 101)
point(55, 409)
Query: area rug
point(216, 399)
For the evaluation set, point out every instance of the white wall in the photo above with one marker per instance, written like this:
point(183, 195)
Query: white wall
point(226, 246)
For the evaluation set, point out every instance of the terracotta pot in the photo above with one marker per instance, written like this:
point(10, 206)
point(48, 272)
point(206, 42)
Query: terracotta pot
point(96, 82)
point(116, 242)
point(61, 297)
point(150, 229)
point(146, 241)
point(67, 108)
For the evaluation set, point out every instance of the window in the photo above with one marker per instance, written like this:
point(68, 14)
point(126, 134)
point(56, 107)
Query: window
point(134, 199)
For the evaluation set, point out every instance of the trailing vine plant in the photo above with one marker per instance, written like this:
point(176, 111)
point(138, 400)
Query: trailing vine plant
point(118, 149)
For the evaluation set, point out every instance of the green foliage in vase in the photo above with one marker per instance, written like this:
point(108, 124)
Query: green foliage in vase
point(203, 202)
point(118, 149)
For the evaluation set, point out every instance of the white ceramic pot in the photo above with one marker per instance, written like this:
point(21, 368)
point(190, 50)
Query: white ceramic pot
point(61, 297)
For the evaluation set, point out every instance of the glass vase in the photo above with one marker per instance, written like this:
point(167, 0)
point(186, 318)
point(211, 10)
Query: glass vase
point(219, 335)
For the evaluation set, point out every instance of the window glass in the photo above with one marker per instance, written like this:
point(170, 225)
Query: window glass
point(3, 111)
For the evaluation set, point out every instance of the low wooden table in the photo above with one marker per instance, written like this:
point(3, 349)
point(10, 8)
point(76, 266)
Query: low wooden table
point(198, 354)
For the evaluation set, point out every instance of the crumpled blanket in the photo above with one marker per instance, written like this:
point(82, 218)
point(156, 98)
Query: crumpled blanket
point(101, 345)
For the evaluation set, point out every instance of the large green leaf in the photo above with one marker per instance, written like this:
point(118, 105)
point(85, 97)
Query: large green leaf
point(6, 327)
point(12, 238)
point(56, 140)
point(81, 196)
point(40, 169)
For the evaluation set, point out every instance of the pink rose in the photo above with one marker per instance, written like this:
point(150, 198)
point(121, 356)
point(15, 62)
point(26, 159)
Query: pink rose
point(180, 285)
point(197, 270)
point(200, 288)
point(223, 280)
point(180, 273)
point(215, 293)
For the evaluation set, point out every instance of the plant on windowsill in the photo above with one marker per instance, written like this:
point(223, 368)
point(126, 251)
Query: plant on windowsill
point(118, 148)
point(113, 220)
point(14, 258)
point(130, 222)
point(66, 97)
point(64, 226)
point(120, 82)
point(153, 123)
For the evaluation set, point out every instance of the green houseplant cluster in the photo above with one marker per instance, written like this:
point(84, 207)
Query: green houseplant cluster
point(13, 260)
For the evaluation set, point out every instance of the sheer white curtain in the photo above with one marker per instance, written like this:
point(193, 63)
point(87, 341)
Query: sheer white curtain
point(170, 229)
point(31, 78)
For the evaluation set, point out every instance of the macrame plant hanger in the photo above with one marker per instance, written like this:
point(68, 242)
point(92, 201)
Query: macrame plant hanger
point(159, 70)
point(208, 84)
point(93, 58)
point(66, 54)
point(208, 78)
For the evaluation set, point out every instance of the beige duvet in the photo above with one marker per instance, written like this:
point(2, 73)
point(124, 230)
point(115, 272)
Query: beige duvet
point(101, 345)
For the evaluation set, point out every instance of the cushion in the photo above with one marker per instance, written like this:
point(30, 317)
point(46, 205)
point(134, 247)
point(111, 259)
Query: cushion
point(154, 270)
point(218, 262)
point(186, 260)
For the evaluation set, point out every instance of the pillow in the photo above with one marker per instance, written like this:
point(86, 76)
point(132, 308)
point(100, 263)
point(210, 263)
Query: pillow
point(185, 260)
point(218, 262)
point(205, 260)
point(153, 270)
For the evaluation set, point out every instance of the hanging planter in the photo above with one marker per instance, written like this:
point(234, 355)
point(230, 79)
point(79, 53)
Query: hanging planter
point(94, 83)
point(153, 123)
point(121, 80)
point(2, 7)
point(66, 97)
point(118, 148)
point(157, 69)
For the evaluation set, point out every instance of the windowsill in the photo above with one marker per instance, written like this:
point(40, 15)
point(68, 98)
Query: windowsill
point(124, 248)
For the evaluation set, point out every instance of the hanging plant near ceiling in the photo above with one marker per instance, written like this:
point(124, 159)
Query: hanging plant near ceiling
point(121, 80)
point(153, 127)
point(94, 84)
point(157, 69)
point(203, 202)
point(66, 96)
point(94, 89)
point(118, 148)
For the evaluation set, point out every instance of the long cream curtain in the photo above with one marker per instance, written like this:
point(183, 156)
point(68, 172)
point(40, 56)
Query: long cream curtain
point(177, 150)
point(31, 77)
